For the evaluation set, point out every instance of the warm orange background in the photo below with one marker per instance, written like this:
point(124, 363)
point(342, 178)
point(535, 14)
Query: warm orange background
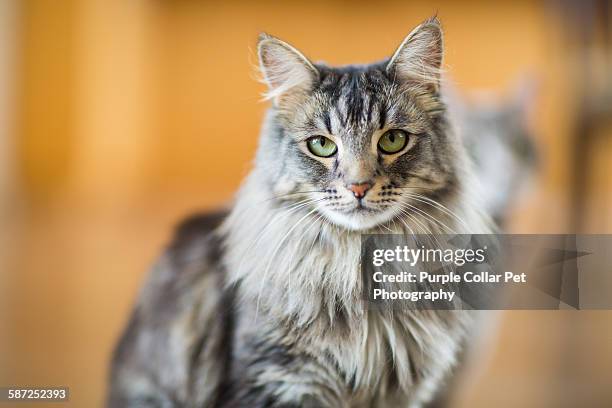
point(119, 117)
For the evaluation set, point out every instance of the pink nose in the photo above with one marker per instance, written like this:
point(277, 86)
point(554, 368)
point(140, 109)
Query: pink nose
point(359, 190)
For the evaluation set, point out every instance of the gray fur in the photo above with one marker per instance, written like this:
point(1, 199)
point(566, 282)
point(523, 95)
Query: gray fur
point(498, 138)
point(266, 309)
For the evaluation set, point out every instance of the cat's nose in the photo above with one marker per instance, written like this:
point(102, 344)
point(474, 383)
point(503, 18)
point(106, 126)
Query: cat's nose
point(359, 190)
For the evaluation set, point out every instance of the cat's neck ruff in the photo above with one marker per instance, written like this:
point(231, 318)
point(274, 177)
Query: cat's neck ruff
point(290, 260)
point(286, 257)
point(293, 266)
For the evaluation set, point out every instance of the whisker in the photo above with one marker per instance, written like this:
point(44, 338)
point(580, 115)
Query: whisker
point(404, 222)
point(273, 256)
point(388, 229)
point(286, 212)
point(281, 196)
point(418, 223)
point(429, 235)
point(434, 203)
point(418, 189)
point(429, 216)
point(277, 197)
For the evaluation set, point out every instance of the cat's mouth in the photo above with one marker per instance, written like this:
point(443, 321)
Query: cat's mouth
point(359, 216)
point(360, 207)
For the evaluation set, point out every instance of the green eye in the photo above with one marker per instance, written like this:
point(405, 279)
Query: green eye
point(393, 141)
point(321, 146)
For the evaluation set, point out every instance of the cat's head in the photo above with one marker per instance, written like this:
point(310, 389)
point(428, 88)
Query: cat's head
point(361, 143)
point(497, 135)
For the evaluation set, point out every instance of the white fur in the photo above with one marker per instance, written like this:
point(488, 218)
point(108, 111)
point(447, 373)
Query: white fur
point(291, 264)
point(284, 68)
point(419, 56)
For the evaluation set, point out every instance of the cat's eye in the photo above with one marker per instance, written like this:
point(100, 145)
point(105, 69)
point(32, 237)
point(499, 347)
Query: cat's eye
point(321, 146)
point(393, 141)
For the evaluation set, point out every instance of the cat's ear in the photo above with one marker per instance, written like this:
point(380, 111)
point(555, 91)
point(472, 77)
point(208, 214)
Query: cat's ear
point(524, 95)
point(419, 57)
point(287, 72)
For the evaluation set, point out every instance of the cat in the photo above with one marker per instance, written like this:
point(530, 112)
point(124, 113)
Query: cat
point(262, 306)
point(498, 138)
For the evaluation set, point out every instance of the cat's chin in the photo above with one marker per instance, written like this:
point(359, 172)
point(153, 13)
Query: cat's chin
point(358, 219)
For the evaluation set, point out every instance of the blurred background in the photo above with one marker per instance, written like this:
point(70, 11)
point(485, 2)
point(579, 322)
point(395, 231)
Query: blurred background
point(118, 118)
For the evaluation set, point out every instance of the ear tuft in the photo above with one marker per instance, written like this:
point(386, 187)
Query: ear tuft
point(263, 36)
point(433, 20)
point(286, 71)
point(419, 56)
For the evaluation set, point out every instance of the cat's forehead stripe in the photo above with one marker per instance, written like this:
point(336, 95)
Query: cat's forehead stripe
point(352, 95)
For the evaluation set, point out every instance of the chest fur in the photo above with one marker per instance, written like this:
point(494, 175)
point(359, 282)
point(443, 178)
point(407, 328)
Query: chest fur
point(306, 279)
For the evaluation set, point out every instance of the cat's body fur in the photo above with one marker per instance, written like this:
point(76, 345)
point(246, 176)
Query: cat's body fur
point(496, 133)
point(263, 308)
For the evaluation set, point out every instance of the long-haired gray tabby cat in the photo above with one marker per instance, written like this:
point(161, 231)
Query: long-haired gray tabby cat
point(263, 307)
